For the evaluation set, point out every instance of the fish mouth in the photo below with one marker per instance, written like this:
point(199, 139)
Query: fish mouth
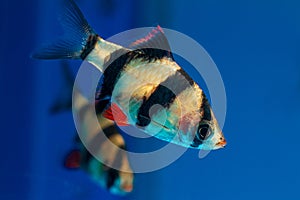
point(221, 144)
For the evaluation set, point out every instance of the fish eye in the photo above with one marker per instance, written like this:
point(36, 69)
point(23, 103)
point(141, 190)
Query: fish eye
point(203, 131)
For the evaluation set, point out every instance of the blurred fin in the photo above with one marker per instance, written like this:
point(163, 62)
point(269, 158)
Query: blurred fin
point(73, 159)
point(78, 41)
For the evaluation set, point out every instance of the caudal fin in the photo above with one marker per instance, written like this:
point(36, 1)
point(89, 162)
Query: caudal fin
point(79, 38)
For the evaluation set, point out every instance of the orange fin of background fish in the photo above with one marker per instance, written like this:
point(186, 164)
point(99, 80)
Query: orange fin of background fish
point(127, 188)
point(73, 160)
point(116, 114)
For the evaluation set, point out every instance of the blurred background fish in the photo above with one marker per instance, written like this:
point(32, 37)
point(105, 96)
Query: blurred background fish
point(116, 181)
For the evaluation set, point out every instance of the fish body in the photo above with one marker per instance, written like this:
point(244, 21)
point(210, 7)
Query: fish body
point(142, 86)
point(118, 180)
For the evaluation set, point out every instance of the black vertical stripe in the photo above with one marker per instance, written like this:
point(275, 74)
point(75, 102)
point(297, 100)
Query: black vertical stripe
point(186, 76)
point(101, 106)
point(112, 72)
point(120, 58)
point(164, 95)
point(113, 69)
point(205, 109)
point(90, 45)
point(117, 63)
point(196, 142)
point(113, 174)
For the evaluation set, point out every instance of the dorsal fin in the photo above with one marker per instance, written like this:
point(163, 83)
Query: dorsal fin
point(155, 40)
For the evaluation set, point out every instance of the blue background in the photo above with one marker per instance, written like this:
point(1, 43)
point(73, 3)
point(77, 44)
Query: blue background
point(255, 45)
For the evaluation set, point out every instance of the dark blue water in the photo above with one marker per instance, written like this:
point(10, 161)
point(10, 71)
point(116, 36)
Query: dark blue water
point(255, 45)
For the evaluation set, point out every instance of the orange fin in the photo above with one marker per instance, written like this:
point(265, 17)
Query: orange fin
point(116, 114)
point(73, 160)
point(127, 187)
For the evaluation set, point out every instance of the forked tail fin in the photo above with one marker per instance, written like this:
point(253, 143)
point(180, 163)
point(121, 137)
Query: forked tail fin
point(79, 38)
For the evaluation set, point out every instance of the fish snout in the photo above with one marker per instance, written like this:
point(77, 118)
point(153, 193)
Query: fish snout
point(222, 143)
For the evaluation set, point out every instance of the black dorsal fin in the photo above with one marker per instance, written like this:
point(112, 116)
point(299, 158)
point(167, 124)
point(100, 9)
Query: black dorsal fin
point(154, 43)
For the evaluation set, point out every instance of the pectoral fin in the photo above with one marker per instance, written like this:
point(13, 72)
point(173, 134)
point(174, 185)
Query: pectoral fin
point(116, 114)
